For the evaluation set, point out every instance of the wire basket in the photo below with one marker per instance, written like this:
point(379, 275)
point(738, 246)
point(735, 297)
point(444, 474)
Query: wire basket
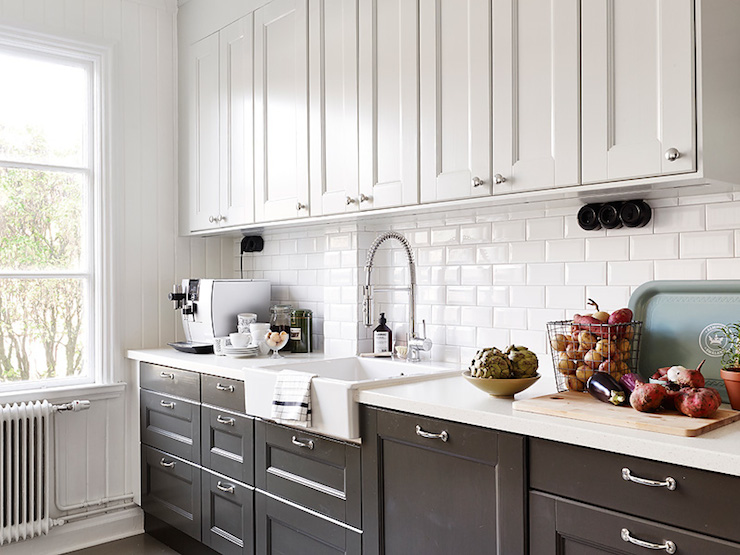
point(579, 350)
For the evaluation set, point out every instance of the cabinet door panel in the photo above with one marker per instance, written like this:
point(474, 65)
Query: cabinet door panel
point(237, 149)
point(171, 424)
point(204, 133)
point(455, 85)
point(228, 515)
point(638, 88)
point(389, 122)
point(281, 109)
point(536, 95)
point(334, 134)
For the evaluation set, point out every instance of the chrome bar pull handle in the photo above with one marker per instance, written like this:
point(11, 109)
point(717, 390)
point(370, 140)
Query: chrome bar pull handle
point(224, 420)
point(167, 375)
point(668, 546)
point(229, 388)
point(443, 435)
point(166, 464)
point(306, 443)
point(228, 489)
point(669, 483)
point(165, 404)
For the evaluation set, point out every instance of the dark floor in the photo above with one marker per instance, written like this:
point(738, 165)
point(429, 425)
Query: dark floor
point(143, 544)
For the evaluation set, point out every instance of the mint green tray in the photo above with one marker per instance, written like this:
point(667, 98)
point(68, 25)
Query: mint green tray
point(680, 324)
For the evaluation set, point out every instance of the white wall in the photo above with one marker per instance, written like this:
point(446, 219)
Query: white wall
point(95, 446)
point(496, 276)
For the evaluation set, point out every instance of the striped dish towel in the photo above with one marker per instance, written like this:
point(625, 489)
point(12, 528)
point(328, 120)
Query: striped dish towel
point(291, 398)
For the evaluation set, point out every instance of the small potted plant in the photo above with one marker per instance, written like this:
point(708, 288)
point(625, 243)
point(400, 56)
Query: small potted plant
point(730, 371)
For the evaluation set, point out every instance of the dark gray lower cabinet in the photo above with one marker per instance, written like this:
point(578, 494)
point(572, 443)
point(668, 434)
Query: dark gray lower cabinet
point(171, 490)
point(227, 443)
point(437, 487)
point(559, 526)
point(228, 514)
point(283, 529)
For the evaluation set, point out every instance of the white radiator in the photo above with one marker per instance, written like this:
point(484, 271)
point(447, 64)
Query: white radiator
point(25, 463)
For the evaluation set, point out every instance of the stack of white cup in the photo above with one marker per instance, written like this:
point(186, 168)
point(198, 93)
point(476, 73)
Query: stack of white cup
point(243, 319)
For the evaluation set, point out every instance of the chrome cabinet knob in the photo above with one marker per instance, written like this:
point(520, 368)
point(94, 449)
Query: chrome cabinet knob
point(351, 200)
point(365, 198)
point(477, 182)
point(220, 218)
point(672, 154)
point(211, 219)
point(498, 179)
point(300, 206)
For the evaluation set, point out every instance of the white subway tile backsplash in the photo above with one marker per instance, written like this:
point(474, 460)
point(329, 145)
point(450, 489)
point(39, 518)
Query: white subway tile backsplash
point(707, 244)
point(432, 256)
point(461, 255)
point(585, 273)
point(536, 340)
point(445, 236)
point(723, 268)
point(461, 336)
point(492, 254)
point(495, 295)
point(509, 274)
point(608, 297)
point(630, 273)
point(446, 315)
point(288, 246)
point(537, 318)
point(430, 294)
point(475, 233)
point(574, 231)
point(545, 274)
point(565, 250)
point(478, 316)
point(511, 318)
point(607, 248)
point(527, 296)
point(418, 238)
point(476, 275)
point(654, 247)
point(530, 251)
point(461, 295)
point(565, 296)
point(445, 275)
point(681, 269)
point(340, 241)
point(545, 228)
point(492, 337)
point(680, 218)
point(509, 231)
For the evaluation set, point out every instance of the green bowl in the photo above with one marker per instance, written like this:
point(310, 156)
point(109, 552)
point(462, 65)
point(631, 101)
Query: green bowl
point(500, 387)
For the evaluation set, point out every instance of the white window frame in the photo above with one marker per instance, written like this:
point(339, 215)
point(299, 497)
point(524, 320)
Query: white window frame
point(96, 59)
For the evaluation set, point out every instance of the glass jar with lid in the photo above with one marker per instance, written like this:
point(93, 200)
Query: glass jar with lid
point(280, 317)
point(301, 330)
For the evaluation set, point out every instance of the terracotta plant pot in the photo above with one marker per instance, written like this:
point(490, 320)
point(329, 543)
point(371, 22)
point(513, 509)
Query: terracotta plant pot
point(731, 377)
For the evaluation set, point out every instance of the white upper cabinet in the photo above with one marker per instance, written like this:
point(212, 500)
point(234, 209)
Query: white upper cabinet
point(455, 93)
point(220, 128)
point(535, 94)
point(638, 103)
point(281, 110)
point(334, 136)
point(389, 122)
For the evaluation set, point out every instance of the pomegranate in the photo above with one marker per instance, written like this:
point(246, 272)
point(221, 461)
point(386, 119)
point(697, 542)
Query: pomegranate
point(647, 397)
point(699, 402)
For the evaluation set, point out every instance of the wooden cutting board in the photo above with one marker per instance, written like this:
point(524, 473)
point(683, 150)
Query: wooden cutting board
point(581, 406)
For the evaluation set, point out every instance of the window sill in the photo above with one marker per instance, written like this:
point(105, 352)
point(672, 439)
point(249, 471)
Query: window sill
point(93, 391)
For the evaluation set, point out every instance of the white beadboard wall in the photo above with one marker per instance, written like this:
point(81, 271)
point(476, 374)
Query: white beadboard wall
point(99, 448)
point(496, 276)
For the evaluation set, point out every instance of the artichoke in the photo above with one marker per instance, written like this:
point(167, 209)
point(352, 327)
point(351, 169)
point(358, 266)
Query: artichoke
point(490, 363)
point(524, 362)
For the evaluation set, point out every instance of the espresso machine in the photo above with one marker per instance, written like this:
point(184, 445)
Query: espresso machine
point(209, 308)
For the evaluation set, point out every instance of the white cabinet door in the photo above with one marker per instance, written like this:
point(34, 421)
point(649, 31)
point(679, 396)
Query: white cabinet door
point(455, 92)
point(638, 88)
point(203, 134)
point(236, 144)
point(389, 122)
point(535, 94)
point(333, 62)
point(281, 110)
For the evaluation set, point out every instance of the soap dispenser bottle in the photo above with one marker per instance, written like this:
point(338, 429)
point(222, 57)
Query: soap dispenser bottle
point(382, 339)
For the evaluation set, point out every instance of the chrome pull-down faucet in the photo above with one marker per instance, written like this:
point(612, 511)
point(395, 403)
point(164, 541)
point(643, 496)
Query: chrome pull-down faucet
point(415, 343)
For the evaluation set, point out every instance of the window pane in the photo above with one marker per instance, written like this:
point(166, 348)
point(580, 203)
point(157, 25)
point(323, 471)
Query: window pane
point(41, 329)
point(41, 220)
point(44, 114)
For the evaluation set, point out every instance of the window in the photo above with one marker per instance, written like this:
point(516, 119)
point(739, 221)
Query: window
point(49, 189)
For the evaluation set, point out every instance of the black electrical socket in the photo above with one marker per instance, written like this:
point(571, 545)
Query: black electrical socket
point(252, 243)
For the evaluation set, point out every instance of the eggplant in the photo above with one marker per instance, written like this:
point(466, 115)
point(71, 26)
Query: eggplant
point(630, 381)
point(605, 388)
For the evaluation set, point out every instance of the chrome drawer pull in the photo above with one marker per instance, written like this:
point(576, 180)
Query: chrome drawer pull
point(166, 464)
point(229, 388)
point(168, 375)
point(165, 404)
point(668, 546)
point(223, 420)
point(227, 489)
point(443, 435)
point(669, 482)
point(307, 443)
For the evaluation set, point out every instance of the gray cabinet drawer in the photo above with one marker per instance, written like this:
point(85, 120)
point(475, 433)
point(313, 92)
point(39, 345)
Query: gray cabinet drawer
point(171, 424)
point(282, 529)
point(595, 477)
point(223, 392)
point(170, 490)
point(228, 515)
point(314, 471)
point(561, 527)
point(227, 442)
point(172, 381)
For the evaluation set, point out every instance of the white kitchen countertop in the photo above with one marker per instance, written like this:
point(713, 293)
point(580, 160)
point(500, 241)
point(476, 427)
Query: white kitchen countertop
point(452, 398)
